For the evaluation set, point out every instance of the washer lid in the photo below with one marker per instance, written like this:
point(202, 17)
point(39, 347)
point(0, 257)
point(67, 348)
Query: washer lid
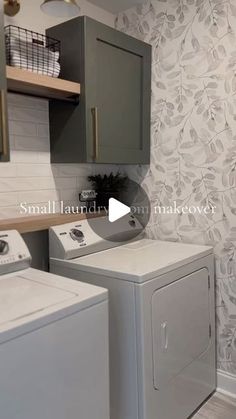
point(21, 297)
point(138, 261)
point(36, 297)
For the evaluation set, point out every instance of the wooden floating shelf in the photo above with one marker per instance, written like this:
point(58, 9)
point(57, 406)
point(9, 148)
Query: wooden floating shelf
point(26, 82)
point(41, 222)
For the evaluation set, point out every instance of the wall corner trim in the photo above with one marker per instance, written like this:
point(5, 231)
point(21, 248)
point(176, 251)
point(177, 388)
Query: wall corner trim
point(226, 383)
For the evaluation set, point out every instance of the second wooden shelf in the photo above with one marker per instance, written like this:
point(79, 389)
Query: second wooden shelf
point(26, 82)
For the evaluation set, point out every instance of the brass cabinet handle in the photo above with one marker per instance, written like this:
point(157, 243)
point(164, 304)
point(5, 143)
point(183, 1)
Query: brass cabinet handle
point(4, 130)
point(95, 132)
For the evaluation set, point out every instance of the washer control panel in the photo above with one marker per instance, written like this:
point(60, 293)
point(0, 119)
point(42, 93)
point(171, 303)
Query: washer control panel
point(14, 254)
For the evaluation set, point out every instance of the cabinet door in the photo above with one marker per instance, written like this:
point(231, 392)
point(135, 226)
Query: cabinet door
point(118, 94)
point(4, 145)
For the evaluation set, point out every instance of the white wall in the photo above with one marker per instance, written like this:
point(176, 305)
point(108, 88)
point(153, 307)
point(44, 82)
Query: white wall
point(116, 6)
point(31, 17)
point(29, 177)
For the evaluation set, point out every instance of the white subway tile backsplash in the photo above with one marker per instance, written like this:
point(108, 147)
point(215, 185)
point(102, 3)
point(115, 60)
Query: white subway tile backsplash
point(44, 156)
point(37, 197)
point(43, 131)
point(26, 184)
point(69, 195)
point(31, 115)
point(12, 141)
point(31, 144)
point(83, 183)
point(8, 184)
point(30, 177)
point(32, 170)
point(23, 101)
point(26, 156)
point(8, 170)
point(10, 212)
point(74, 169)
point(44, 183)
point(8, 199)
point(66, 182)
point(106, 169)
point(28, 129)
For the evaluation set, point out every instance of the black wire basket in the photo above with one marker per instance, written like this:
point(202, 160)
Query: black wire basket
point(32, 51)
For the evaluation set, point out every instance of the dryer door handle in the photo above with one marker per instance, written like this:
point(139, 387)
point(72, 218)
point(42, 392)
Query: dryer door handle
point(164, 336)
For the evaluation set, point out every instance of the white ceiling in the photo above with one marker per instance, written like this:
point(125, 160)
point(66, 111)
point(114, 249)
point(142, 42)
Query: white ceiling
point(116, 6)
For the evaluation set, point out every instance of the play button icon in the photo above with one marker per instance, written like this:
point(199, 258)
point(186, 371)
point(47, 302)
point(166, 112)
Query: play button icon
point(117, 210)
point(123, 215)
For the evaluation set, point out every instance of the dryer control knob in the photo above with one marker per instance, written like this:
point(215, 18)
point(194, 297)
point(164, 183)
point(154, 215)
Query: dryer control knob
point(77, 235)
point(4, 247)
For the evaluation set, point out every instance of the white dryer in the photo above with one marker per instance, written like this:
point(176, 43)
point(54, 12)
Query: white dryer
point(53, 341)
point(162, 317)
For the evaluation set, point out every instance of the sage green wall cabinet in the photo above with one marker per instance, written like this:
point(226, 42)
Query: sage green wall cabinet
point(111, 123)
point(4, 140)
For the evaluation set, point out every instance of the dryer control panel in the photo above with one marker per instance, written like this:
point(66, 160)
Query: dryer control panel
point(14, 254)
point(81, 238)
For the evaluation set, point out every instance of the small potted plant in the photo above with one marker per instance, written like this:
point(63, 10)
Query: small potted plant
point(108, 186)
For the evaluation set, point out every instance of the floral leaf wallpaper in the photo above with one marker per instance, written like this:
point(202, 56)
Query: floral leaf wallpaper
point(194, 135)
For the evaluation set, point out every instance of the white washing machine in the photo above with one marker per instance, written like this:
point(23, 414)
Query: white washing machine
point(162, 316)
point(53, 341)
